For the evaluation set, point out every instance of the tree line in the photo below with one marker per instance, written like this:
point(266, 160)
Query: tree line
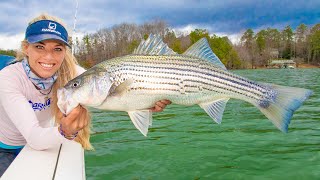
point(301, 45)
point(122, 39)
point(8, 52)
point(253, 50)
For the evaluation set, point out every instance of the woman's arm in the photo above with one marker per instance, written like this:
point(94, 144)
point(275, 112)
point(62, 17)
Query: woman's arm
point(21, 115)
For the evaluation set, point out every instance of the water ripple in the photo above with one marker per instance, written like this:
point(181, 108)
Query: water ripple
point(185, 143)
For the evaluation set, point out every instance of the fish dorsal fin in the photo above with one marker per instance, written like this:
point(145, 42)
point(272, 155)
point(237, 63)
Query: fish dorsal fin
point(215, 109)
point(202, 50)
point(153, 46)
point(141, 120)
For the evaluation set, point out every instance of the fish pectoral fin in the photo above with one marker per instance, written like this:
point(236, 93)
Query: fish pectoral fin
point(141, 120)
point(121, 88)
point(215, 109)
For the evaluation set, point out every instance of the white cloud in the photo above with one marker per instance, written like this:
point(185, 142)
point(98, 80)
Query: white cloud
point(11, 42)
point(185, 30)
point(234, 38)
point(228, 16)
point(78, 35)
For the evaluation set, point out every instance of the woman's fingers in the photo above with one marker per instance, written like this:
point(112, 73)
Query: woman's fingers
point(156, 109)
point(72, 123)
point(72, 116)
point(160, 105)
point(166, 102)
point(59, 115)
point(83, 122)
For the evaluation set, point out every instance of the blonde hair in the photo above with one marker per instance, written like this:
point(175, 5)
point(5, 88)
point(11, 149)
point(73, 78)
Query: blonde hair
point(66, 72)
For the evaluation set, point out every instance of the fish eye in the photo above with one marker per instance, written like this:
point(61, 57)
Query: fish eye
point(75, 84)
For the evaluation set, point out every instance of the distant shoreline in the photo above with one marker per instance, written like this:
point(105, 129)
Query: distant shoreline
point(307, 66)
point(300, 66)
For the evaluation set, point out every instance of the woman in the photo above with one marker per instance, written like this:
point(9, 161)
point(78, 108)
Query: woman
point(28, 93)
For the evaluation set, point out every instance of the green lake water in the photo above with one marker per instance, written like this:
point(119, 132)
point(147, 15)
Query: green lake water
point(184, 142)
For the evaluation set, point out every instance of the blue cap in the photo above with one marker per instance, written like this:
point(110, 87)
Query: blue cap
point(46, 29)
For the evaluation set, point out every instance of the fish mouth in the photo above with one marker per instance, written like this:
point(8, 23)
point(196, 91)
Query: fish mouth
point(65, 103)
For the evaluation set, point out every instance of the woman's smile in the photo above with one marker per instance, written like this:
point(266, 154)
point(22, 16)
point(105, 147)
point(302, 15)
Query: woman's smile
point(46, 65)
point(45, 57)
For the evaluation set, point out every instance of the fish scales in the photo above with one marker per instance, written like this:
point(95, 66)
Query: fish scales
point(182, 60)
point(176, 72)
point(244, 82)
point(175, 69)
point(135, 82)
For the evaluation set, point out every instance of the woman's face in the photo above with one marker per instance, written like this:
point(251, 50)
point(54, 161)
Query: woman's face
point(45, 57)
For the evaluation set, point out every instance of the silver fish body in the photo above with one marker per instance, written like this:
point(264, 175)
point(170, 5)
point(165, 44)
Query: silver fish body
point(181, 79)
point(133, 83)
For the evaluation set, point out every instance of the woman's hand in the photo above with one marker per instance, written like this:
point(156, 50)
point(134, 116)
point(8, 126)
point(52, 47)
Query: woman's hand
point(160, 105)
point(71, 123)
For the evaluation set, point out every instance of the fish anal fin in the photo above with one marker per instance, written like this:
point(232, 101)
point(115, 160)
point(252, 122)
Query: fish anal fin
point(215, 109)
point(141, 119)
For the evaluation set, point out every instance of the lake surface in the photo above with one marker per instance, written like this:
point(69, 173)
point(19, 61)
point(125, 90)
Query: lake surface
point(184, 142)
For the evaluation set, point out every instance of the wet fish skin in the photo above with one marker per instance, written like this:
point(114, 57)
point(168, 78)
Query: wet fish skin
point(133, 83)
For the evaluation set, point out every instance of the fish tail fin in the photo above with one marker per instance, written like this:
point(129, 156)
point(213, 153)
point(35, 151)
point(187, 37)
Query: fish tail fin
point(285, 102)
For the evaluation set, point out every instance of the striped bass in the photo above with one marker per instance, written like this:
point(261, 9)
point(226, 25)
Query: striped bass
point(135, 82)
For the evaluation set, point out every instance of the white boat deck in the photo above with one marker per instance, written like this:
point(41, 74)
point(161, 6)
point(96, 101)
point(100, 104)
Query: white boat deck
point(60, 163)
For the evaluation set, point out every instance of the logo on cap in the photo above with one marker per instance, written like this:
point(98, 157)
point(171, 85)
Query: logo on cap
point(52, 26)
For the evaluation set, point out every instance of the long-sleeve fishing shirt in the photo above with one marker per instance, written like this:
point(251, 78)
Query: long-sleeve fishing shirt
point(25, 113)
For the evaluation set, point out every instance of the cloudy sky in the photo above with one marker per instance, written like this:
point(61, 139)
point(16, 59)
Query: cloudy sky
point(221, 17)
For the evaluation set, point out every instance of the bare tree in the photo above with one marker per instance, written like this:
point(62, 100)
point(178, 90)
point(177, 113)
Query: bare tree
point(115, 41)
